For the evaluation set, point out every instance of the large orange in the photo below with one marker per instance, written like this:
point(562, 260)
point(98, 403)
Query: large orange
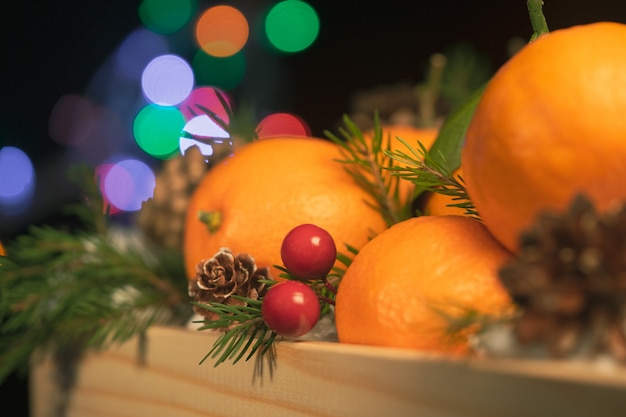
point(394, 290)
point(267, 188)
point(549, 125)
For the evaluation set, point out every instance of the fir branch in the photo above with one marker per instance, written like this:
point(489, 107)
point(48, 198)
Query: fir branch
point(430, 174)
point(366, 161)
point(85, 288)
point(244, 331)
point(90, 209)
point(92, 295)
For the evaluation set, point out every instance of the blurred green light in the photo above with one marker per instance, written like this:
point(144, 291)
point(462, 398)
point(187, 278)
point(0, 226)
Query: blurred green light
point(166, 16)
point(225, 73)
point(157, 130)
point(292, 26)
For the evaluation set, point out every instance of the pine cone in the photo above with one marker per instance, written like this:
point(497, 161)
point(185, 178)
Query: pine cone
point(162, 218)
point(570, 280)
point(224, 275)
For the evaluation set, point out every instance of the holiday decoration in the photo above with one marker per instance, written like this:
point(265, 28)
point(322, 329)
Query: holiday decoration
point(329, 258)
point(570, 281)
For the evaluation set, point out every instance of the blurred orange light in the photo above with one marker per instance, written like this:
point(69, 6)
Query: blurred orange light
point(222, 31)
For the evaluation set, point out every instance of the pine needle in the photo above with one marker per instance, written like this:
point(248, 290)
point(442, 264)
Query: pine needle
point(81, 288)
point(431, 174)
point(365, 162)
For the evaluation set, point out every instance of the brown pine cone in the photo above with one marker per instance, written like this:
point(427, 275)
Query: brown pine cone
point(224, 275)
point(570, 280)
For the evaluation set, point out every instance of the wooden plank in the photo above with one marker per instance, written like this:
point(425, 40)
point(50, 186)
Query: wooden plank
point(326, 379)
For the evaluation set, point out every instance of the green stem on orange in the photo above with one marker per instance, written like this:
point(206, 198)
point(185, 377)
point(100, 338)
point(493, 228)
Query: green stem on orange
point(211, 219)
point(537, 18)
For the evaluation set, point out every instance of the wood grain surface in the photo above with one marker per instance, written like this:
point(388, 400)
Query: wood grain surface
point(322, 379)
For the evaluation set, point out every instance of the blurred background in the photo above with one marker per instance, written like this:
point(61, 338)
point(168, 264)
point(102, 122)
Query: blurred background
point(90, 82)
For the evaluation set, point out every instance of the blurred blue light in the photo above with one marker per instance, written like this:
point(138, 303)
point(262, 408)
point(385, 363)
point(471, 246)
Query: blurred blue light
point(128, 183)
point(17, 180)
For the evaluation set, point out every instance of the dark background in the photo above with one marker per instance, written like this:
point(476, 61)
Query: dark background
point(54, 48)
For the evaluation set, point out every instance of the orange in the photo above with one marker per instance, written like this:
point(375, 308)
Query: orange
point(267, 188)
point(550, 124)
point(2, 250)
point(398, 284)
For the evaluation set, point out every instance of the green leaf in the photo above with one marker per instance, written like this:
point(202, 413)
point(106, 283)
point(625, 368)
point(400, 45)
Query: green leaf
point(451, 136)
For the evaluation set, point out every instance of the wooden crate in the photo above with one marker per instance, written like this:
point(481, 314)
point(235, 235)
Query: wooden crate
point(324, 379)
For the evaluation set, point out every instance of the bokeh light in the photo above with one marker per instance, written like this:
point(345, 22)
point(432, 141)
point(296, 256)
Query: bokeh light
point(126, 184)
point(148, 66)
point(225, 73)
point(203, 132)
point(157, 130)
point(292, 26)
point(282, 124)
point(72, 120)
point(136, 51)
point(166, 16)
point(167, 80)
point(17, 180)
point(221, 31)
point(206, 97)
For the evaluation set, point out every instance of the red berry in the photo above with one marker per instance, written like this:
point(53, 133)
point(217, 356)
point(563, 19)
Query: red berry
point(308, 252)
point(290, 308)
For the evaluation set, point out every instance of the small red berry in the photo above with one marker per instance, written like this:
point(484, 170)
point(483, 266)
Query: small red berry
point(308, 252)
point(290, 308)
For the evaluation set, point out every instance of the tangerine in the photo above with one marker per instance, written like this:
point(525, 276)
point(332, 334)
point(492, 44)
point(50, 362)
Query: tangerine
point(267, 188)
point(549, 125)
point(400, 282)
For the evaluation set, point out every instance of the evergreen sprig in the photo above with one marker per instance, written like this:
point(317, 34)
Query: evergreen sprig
point(84, 288)
point(244, 331)
point(432, 174)
point(366, 160)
